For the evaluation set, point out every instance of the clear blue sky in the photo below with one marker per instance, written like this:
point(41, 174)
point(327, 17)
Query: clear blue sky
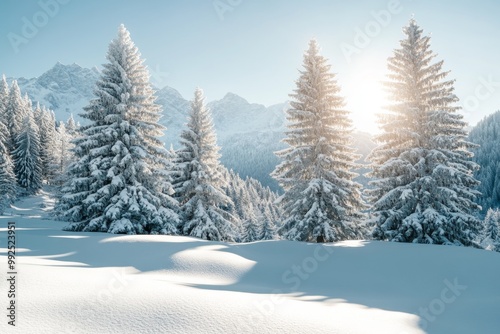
point(255, 48)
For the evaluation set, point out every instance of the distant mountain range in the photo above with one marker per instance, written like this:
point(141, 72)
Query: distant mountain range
point(248, 133)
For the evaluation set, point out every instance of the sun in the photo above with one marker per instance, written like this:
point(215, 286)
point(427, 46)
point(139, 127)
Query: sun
point(365, 95)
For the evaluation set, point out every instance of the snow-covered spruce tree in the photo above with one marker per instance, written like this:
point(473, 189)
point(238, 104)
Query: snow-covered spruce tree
point(200, 181)
point(63, 154)
point(120, 182)
point(251, 229)
point(47, 129)
point(4, 97)
point(8, 183)
point(26, 156)
point(28, 106)
point(423, 184)
point(321, 202)
point(71, 126)
point(244, 207)
point(15, 113)
point(268, 230)
point(490, 236)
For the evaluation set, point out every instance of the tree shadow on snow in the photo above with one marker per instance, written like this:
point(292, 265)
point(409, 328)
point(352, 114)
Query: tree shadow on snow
point(409, 278)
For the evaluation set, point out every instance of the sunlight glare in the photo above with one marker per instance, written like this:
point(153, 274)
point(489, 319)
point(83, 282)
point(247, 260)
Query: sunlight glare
point(365, 94)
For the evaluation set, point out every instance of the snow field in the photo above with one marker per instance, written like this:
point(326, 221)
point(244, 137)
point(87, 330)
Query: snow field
point(100, 283)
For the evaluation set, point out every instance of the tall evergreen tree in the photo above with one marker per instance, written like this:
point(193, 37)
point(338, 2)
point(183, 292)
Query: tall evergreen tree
point(251, 229)
point(200, 180)
point(423, 188)
point(4, 97)
point(27, 157)
point(490, 236)
point(8, 183)
point(28, 105)
point(120, 182)
point(321, 202)
point(15, 113)
point(48, 150)
point(63, 154)
point(71, 126)
point(268, 230)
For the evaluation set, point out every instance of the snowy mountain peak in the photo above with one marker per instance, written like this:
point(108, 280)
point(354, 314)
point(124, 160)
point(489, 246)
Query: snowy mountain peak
point(169, 91)
point(68, 77)
point(233, 98)
point(65, 89)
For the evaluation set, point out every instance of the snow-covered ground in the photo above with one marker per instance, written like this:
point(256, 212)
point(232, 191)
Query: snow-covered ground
point(71, 282)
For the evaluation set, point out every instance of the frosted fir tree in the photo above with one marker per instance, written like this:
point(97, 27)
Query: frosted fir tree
point(71, 126)
point(15, 113)
point(268, 230)
point(490, 236)
point(26, 157)
point(28, 105)
point(321, 202)
point(200, 181)
point(249, 215)
point(423, 187)
point(4, 97)
point(120, 182)
point(232, 184)
point(63, 154)
point(251, 229)
point(244, 206)
point(8, 183)
point(47, 130)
